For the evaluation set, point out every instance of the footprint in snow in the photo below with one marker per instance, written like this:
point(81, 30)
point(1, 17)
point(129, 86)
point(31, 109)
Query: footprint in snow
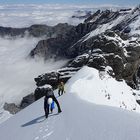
point(36, 138)
point(40, 130)
point(46, 129)
point(47, 135)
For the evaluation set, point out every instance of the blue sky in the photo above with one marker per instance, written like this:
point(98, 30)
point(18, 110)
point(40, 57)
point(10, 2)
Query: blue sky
point(115, 2)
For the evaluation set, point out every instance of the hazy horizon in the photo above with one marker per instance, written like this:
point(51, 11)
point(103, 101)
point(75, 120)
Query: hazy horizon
point(95, 2)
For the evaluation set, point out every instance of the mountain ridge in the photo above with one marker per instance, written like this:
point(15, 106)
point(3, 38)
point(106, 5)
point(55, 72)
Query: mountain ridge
point(110, 32)
point(106, 38)
point(79, 119)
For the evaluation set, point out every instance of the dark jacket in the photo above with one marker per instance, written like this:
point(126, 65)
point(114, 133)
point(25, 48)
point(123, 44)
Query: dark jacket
point(50, 94)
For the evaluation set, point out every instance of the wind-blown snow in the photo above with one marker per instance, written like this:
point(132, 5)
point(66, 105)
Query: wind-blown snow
point(99, 88)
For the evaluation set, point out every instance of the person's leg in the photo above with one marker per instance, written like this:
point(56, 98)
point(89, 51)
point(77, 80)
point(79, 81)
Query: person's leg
point(59, 92)
point(45, 106)
point(62, 91)
point(58, 106)
point(47, 111)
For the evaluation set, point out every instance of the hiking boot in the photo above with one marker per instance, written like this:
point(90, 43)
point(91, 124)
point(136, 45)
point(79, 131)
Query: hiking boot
point(59, 111)
point(46, 115)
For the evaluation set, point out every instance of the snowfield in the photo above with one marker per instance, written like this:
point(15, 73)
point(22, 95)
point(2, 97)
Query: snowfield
point(100, 88)
point(79, 120)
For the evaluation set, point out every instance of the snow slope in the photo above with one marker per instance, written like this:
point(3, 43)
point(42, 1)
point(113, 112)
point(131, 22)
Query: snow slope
point(79, 120)
point(100, 88)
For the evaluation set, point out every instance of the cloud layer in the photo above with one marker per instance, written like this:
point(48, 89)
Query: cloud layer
point(17, 71)
point(24, 15)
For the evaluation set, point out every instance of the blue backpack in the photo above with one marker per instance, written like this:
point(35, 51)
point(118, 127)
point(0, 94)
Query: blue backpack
point(52, 105)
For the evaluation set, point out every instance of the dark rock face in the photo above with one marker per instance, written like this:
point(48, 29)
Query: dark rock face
point(59, 45)
point(82, 14)
point(102, 17)
point(48, 78)
point(53, 78)
point(49, 31)
point(138, 101)
point(79, 61)
point(97, 61)
point(27, 100)
point(36, 30)
point(40, 30)
point(12, 31)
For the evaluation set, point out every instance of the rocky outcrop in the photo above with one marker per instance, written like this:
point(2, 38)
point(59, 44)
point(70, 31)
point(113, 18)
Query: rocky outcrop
point(4, 31)
point(105, 49)
point(27, 100)
point(55, 47)
point(48, 78)
point(82, 14)
point(49, 31)
point(11, 107)
point(102, 17)
point(36, 30)
point(53, 78)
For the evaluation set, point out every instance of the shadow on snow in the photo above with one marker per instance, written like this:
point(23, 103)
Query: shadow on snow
point(37, 120)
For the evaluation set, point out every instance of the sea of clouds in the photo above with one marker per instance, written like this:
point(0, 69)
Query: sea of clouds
point(17, 69)
point(24, 15)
